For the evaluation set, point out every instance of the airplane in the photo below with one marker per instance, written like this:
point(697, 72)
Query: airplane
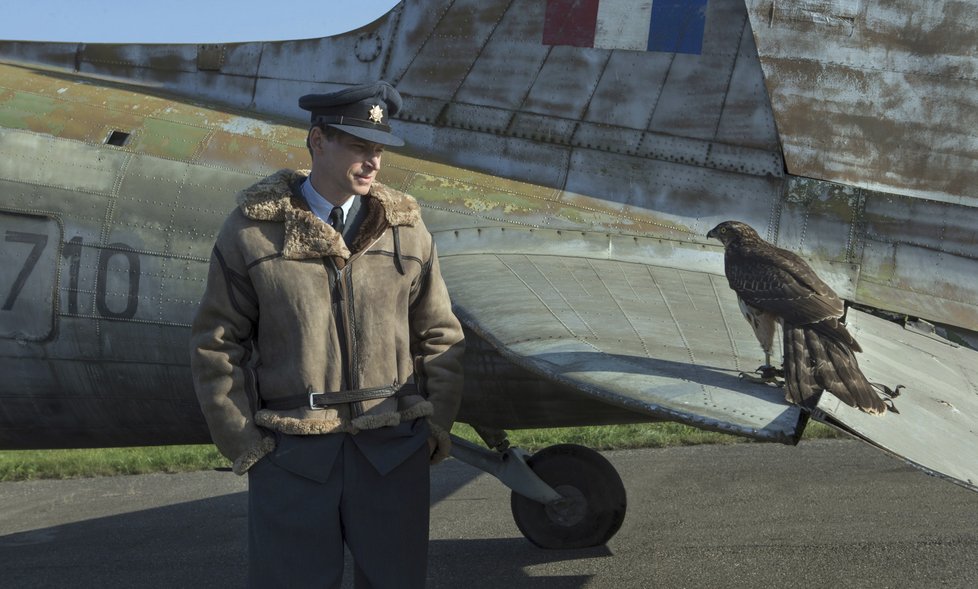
point(569, 157)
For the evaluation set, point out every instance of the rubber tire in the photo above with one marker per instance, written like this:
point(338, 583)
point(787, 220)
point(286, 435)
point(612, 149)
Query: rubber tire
point(582, 472)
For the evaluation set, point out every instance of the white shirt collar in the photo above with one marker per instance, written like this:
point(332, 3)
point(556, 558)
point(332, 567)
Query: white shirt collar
point(320, 206)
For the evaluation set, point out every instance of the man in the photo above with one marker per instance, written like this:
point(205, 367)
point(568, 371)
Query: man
point(326, 357)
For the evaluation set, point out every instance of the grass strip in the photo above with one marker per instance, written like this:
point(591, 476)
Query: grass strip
point(22, 465)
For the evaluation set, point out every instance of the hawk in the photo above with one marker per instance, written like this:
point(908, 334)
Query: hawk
point(776, 287)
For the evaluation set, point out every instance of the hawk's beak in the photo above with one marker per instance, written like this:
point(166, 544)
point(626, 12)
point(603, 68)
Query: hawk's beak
point(709, 234)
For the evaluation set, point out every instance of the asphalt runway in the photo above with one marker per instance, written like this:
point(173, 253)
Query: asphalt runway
point(829, 513)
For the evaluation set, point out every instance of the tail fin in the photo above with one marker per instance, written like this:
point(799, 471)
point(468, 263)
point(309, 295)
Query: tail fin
point(814, 360)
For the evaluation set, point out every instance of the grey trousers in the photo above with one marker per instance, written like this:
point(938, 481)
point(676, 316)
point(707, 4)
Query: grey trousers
point(315, 493)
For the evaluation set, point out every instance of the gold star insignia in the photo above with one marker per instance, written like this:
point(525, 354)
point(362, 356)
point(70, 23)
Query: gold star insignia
point(377, 114)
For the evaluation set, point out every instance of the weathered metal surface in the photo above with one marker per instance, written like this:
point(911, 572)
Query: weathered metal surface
point(106, 248)
point(934, 427)
point(880, 95)
point(903, 254)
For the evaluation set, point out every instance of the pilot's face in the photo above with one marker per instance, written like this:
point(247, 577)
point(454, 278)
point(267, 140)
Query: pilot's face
point(344, 165)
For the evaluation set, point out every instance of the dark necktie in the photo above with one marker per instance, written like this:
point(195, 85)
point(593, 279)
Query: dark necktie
point(336, 219)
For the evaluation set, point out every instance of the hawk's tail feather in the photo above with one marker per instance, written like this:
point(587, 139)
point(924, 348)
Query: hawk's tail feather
point(851, 387)
point(836, 330)
point(814, 361)
point(800, 387)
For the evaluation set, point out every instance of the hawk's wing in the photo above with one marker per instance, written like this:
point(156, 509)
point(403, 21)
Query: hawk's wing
point(779, 281)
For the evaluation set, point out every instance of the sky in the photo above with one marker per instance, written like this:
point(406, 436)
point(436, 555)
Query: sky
point(184, 21)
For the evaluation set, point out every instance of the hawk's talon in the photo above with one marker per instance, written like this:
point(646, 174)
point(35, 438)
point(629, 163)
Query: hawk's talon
point(765, 374)
point(886, 391)
point(768, 371)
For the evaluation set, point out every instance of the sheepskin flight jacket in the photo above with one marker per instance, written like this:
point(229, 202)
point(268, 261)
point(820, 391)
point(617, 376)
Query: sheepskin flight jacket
point(290, 309)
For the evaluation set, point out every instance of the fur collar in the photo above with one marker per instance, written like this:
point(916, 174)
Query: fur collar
point(278, 198)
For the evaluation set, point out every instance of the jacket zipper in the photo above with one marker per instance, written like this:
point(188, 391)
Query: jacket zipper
point(353, 351)
point(340, 300)
point(341, 283)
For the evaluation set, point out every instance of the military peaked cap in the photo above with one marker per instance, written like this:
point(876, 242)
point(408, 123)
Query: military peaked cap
point(361, 111)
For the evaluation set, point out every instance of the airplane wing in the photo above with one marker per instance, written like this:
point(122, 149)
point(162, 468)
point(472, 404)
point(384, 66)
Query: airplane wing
point(934, 425)
point(653, 338)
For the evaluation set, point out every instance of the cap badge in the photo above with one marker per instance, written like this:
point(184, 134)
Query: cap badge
point(377, 114)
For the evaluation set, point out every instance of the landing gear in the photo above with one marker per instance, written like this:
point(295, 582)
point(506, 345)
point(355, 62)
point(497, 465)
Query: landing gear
point(592, 507)
point(564, 496)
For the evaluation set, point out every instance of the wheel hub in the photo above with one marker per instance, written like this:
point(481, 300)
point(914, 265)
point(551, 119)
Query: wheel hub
point(569, 511)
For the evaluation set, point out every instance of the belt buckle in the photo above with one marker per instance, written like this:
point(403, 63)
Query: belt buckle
point(312, 401)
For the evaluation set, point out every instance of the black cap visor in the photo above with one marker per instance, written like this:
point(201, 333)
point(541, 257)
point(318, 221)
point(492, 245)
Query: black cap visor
point(373, 132)
point(372, 135)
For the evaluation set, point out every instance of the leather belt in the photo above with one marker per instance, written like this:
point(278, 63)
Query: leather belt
point(314, 400)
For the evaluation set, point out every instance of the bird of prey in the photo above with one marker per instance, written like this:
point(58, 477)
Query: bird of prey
point(775, 286)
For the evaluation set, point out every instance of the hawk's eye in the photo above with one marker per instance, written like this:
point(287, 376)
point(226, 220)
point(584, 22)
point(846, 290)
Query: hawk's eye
point(723, 230)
